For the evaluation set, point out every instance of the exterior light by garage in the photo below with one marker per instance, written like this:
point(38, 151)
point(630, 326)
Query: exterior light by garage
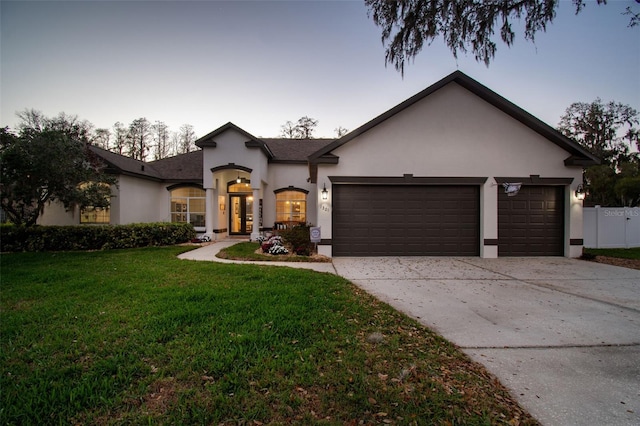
point(580, 192)
point(239, 179)
point(512, 189)
point(325, 192)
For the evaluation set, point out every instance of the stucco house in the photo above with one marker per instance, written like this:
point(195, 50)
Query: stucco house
point(424, 178)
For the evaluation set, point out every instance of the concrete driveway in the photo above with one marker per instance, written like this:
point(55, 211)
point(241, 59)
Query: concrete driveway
point(562, 334)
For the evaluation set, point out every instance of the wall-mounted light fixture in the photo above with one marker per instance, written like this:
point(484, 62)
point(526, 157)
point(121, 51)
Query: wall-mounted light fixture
point(325, 192)
point(581, 193)
point(239, 180)
point(222, 207)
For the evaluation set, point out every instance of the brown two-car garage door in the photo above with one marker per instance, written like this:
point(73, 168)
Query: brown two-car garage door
point(413, 220)
point(532, 222)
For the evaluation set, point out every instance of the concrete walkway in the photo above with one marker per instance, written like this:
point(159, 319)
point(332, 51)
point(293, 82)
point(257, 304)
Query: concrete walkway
point(209, 252)
point(562, 334)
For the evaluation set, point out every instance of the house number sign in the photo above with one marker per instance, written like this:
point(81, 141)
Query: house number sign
point(315, 234)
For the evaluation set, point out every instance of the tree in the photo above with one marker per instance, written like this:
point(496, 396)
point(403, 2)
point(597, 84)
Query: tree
point(119, 138)
point(102, 138)
point(186, 139)
point(288, 130)
point(41, 165)
point(628, 190)
point(161, 140)
point(340, 131)
point(606, 130)
point(466, 25)
point(303, 129)
point(31, 119)
point(609, 131)
point(138, 139)
point(34, 120)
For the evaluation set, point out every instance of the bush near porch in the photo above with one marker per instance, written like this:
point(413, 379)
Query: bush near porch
point(89, 237)
point(299, 239)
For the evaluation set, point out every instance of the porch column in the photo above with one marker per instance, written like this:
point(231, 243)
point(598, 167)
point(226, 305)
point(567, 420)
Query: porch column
point(255, 230)
point(208, 215)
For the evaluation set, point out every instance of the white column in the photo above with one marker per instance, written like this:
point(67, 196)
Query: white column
point(209, 210)
point(255, 231)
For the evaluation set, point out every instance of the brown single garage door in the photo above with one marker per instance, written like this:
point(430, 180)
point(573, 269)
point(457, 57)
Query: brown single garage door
point(531, 223)
point(396, 220)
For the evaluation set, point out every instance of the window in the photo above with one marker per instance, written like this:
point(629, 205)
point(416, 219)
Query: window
point(95, 215)
point(188, 205)
point(244, 186)
point(291, 206)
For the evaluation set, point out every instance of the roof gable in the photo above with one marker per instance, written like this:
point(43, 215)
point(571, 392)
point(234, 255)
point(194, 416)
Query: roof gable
point(208, 140)
point(578, 155)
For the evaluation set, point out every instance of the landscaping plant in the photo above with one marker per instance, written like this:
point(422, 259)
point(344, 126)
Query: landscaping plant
point(298, 238)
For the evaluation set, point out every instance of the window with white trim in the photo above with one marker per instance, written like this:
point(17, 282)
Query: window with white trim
point(188, 205)
point(291, 206)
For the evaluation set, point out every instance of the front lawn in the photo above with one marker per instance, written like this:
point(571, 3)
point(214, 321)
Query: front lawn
point(621, 253)
point(140, 337)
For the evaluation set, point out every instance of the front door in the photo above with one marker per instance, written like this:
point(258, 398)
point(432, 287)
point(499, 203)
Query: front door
point(241, 215)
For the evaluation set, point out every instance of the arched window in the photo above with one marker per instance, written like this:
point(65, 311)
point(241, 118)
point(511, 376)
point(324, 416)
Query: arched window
point(291, 206)
point(243, 187)
point(188, 205)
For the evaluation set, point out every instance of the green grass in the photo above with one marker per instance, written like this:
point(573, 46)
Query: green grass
point(140, 337)
point(247, 251)
point(632, 253)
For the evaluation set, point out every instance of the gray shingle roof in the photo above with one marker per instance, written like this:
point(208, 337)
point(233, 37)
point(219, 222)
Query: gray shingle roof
point(183, 167)
point(120, 164)
point(294, 150)
point(188, 167)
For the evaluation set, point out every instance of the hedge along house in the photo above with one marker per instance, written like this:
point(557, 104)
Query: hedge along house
point(424, 178)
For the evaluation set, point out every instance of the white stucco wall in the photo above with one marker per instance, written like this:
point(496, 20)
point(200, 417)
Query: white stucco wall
point(282, 176)
point(139, 201)
point(265, 177)
point(454, 133)
point(231, 149)
point(55, 214)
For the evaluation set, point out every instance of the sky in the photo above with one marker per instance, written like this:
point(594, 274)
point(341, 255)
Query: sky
point(260, 64)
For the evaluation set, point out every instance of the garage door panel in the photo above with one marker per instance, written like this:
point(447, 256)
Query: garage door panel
point(531, 223)
point(409, 220)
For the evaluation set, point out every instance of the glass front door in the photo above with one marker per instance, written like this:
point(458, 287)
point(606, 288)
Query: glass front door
point(241, 214)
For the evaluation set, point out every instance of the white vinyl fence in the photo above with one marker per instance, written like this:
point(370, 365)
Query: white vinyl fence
point(611, 227)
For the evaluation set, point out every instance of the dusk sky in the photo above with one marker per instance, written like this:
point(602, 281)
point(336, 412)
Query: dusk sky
point(259, 64)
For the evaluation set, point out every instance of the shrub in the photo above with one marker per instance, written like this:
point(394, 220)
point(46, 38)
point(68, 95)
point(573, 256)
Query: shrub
point(298, 237)
point(83, 237)
point(303, 251)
